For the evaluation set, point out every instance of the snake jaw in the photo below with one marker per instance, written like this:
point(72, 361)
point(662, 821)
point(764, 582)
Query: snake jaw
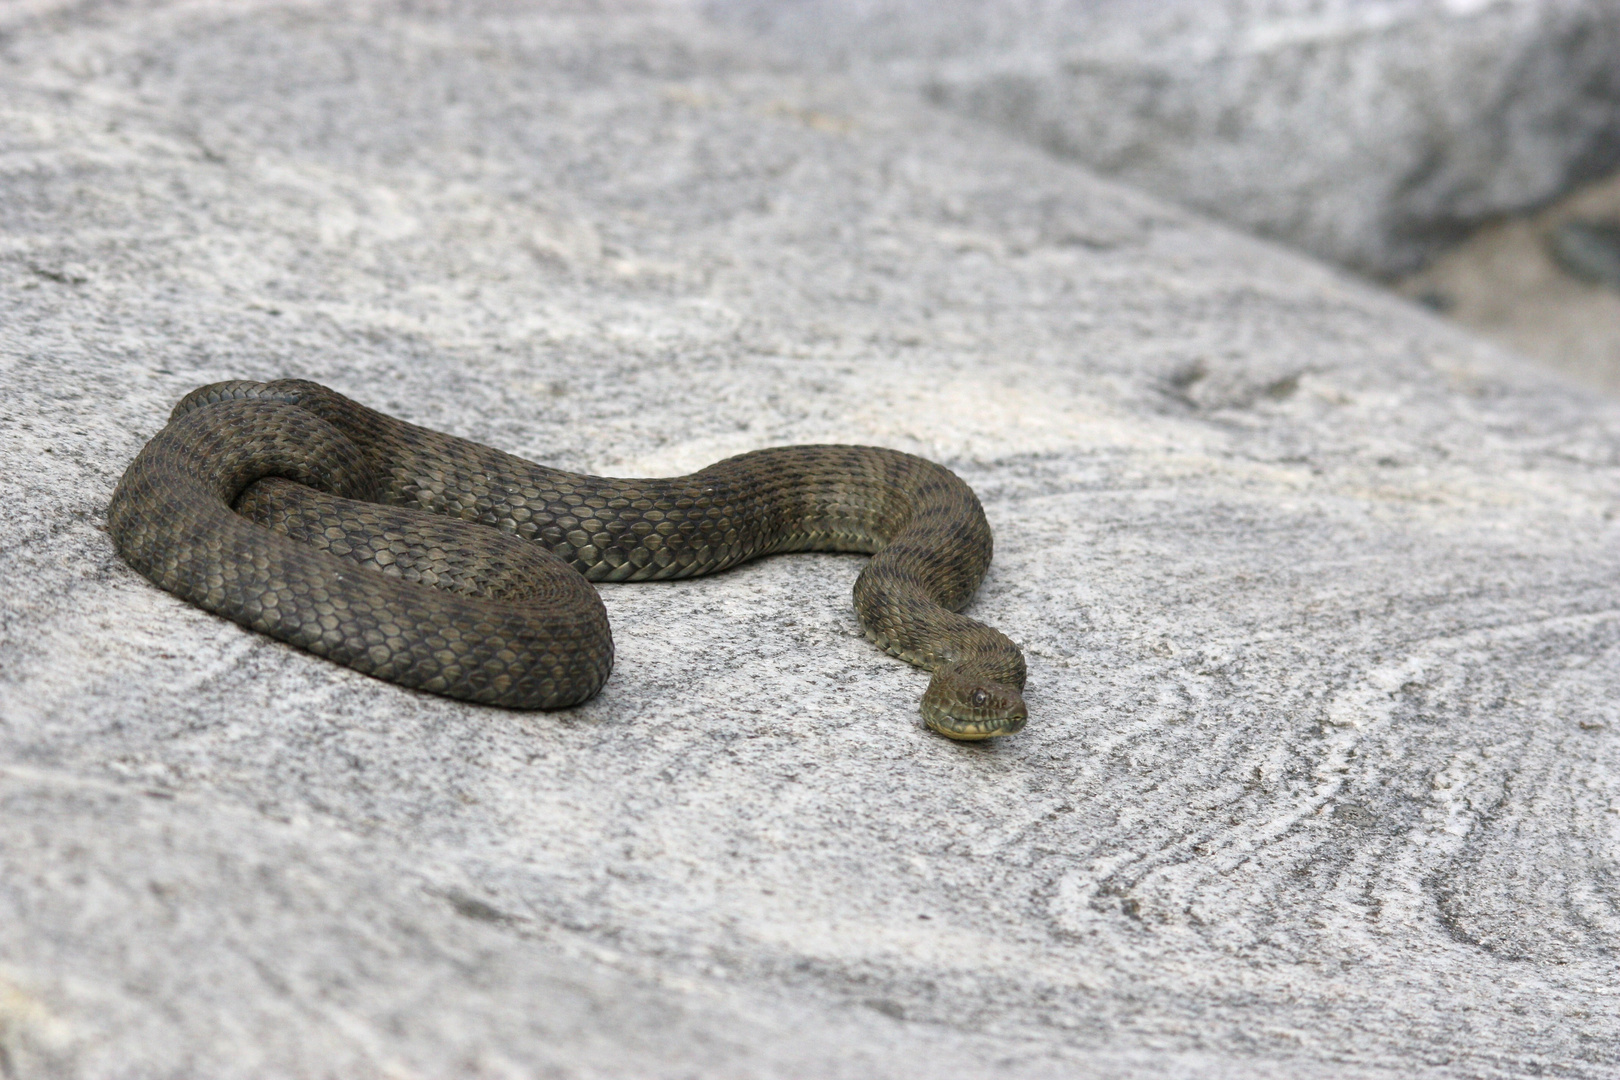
point(960, 707)
point(952, 728)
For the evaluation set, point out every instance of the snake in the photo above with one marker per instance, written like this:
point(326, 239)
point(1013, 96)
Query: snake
point(451, 567)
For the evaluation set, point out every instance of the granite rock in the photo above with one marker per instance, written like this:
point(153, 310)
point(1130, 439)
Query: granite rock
point(1370, 132)
point(1322, 777)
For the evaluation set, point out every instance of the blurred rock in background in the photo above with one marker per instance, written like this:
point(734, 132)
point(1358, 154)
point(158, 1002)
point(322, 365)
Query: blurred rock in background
point(1542, 283)
point(1377, 134)
point(1370, 132)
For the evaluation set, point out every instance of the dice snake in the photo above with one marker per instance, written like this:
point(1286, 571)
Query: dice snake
point(447, 566)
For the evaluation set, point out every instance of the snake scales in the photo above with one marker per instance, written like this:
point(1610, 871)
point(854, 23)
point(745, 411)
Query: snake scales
point(276, 504)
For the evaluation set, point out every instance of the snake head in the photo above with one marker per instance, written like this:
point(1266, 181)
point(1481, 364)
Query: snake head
point(960, 706)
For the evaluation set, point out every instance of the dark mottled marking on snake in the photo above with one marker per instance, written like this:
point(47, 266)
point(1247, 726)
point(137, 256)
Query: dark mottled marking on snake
point(451, 567)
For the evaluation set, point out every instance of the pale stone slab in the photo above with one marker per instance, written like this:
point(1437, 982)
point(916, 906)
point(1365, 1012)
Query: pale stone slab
point(1321, 777)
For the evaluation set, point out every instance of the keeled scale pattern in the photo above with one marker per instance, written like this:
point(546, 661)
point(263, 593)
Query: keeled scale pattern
point(476, 614)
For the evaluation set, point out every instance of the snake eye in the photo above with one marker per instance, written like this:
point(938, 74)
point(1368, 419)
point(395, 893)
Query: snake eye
point(980, 698)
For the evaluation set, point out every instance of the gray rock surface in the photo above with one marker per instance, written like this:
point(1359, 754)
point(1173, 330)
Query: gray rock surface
point(1323, 772)
point(1371, 132)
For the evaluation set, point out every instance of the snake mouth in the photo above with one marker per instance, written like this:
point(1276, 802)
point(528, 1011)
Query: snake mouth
point(972, 730)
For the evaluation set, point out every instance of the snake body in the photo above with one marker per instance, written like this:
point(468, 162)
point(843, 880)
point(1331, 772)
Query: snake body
point(299, 513)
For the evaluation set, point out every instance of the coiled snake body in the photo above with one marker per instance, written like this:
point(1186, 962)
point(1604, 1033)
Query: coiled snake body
point(277, 504)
